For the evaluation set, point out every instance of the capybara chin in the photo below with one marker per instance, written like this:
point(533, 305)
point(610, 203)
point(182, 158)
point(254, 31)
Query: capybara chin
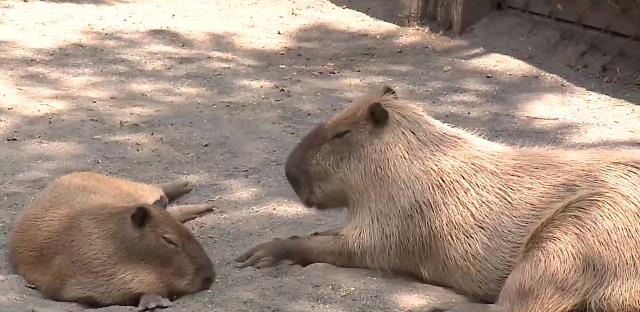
point(528, 229)
point(100, 240)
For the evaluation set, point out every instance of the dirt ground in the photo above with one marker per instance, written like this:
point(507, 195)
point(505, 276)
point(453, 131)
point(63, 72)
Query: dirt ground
point(220, 91)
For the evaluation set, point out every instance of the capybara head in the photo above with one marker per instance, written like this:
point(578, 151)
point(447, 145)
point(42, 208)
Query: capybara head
point(331, 159)
point(157, 239)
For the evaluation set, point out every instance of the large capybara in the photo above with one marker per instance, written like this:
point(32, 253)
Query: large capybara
point(101, 240)
point(531, 229)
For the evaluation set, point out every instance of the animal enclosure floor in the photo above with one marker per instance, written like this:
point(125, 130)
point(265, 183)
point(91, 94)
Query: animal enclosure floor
point(220, 91)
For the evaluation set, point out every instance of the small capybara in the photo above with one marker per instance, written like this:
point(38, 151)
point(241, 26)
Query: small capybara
point(100, 240)
point(522, 229)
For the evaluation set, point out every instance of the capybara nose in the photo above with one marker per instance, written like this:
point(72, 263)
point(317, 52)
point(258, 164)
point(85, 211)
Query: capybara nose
point(207, 281)
point(207, 273)
point(292, 176)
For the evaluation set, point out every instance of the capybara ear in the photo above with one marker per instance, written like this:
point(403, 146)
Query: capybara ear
point(387, 90)
point(378, 114)
point(140, 217)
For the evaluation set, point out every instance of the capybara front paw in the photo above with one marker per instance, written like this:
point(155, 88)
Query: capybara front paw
point(264, 255)
point(150, 302)
point(30, 286)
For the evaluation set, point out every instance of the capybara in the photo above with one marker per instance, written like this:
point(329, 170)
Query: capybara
point(528, 229)
point(100, 240)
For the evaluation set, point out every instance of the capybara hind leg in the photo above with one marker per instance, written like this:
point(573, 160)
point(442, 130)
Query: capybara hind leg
point(582, 257)
point(184, 213)
point(545, 280)
point(622, 295)
point(175, 189)
point(547, 298)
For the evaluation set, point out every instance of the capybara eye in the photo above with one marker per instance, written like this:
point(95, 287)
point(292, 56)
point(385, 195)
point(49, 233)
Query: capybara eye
point(340, 134)
point(170, 240)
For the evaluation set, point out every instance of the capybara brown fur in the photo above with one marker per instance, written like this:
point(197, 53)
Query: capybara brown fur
point(528, 229)
point(101, 240)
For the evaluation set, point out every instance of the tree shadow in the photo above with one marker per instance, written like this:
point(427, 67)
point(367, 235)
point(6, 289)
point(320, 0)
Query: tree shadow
point(581, 56)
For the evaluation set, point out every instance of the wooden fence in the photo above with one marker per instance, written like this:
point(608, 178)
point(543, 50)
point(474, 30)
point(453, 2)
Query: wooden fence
point(621, 17)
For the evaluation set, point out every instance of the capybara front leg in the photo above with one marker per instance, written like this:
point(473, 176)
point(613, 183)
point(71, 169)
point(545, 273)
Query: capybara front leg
point(175, 189)
point(184, 213)
point(331, 249)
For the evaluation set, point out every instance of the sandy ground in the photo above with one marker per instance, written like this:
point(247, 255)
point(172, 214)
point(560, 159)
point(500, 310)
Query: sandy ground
point(220, 91)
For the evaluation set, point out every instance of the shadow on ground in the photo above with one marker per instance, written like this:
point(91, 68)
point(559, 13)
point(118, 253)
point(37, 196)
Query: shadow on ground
point(388, 11)
point(583, 57)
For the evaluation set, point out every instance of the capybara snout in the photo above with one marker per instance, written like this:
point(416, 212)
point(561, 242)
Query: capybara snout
point(297, 166)
point(292, 173)
point(205, 272)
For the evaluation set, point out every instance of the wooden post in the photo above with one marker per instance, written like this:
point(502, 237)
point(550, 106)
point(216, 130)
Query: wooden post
point(411, 11)
point(456, 14)
point(468, 12)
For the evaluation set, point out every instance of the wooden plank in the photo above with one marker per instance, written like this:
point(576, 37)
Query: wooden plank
point(549, 8)
point(438, 10)
point(623, 17)
point(456, 14)
point(468, 12)
point(411, 11)
point(606, 16)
